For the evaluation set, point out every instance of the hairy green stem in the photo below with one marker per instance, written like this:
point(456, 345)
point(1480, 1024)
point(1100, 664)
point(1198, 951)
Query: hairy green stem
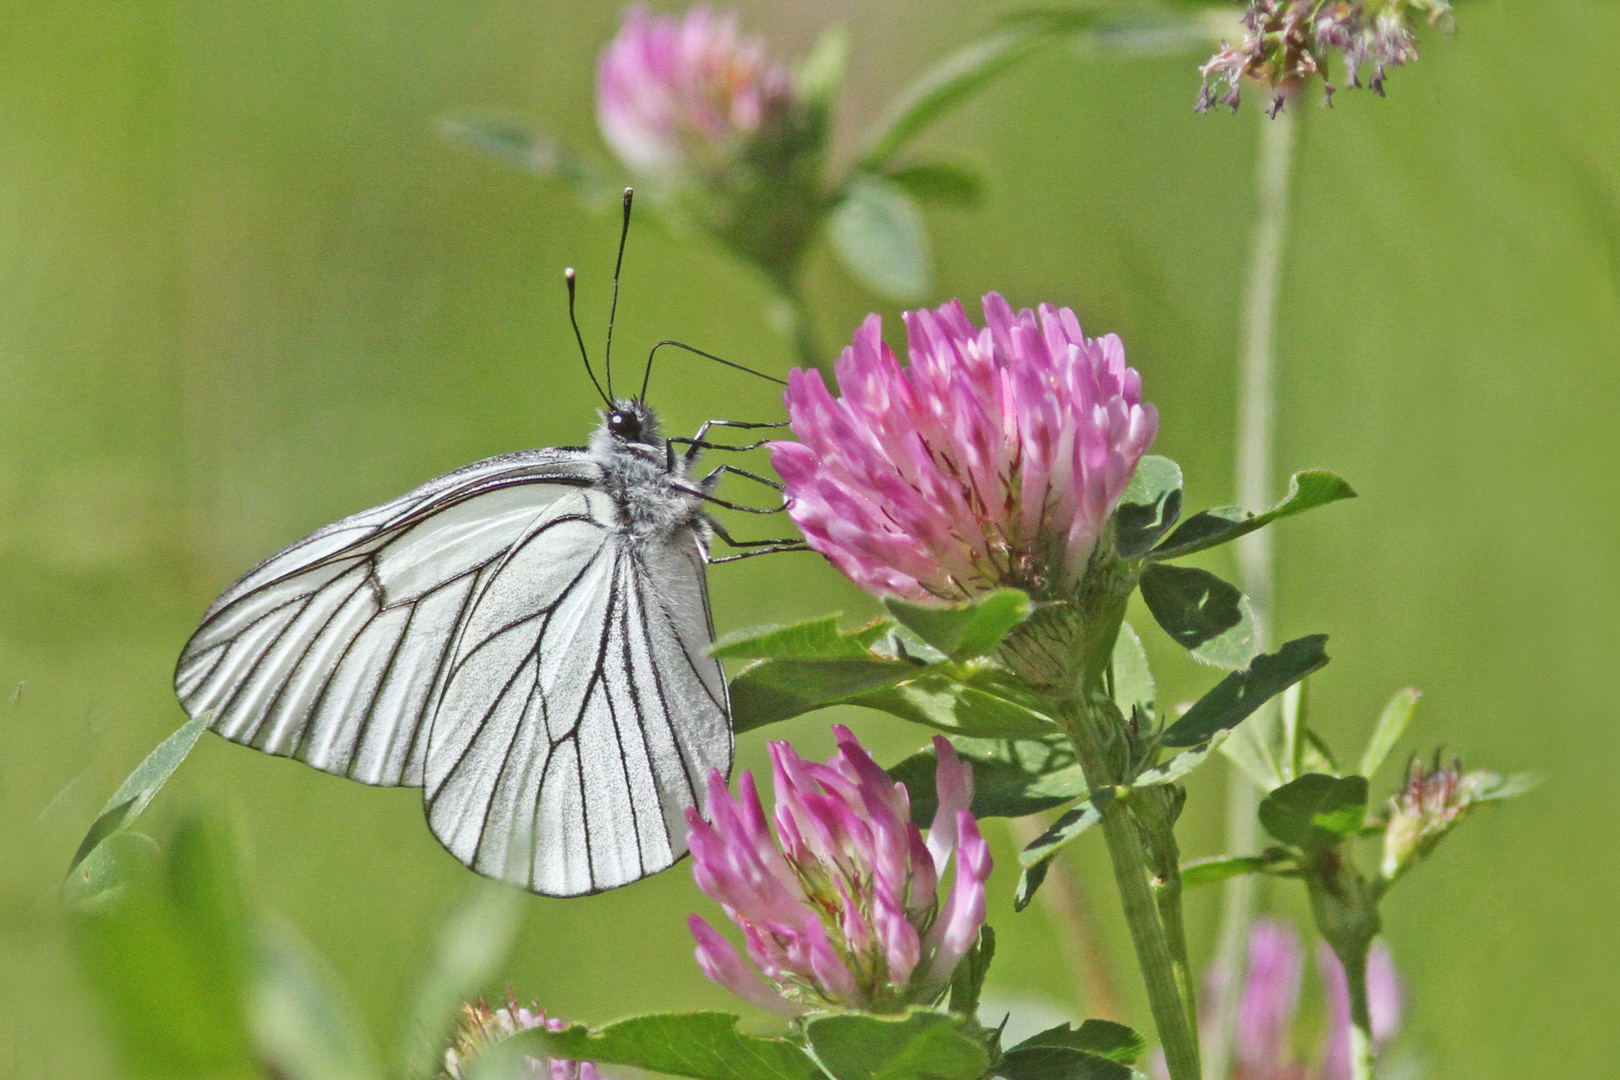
point(1167, 899)
point(1361, 1039)
point(1167, 992)
point(1255, 463)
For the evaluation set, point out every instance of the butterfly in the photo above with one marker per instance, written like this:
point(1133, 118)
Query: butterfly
point(524, 638)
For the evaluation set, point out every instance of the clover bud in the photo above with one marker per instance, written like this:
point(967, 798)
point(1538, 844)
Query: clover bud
point(841, 906)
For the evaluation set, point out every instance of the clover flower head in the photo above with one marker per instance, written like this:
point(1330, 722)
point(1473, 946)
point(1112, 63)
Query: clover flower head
point(481, 1027)
point(679, 95)
point(997, 457)
point(1434, 799)
point(1288, 41)
point(841, 906)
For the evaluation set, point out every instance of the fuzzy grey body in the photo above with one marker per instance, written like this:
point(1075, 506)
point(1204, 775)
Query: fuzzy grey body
point(647, 481)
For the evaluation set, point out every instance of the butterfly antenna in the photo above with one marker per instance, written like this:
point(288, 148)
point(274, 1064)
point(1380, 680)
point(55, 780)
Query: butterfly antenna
point(613, 309)
point(645, 379)
point(568, 276)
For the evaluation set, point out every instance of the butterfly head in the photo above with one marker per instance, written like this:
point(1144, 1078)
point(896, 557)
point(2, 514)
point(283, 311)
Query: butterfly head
point(630, 421)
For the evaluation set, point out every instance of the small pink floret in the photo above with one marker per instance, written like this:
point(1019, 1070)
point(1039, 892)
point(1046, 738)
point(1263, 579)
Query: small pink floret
point(996, 457)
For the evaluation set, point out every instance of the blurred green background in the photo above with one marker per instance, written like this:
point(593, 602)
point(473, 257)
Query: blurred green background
point(245, 289)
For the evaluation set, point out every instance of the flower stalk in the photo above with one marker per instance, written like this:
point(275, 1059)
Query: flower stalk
point(1169, 995)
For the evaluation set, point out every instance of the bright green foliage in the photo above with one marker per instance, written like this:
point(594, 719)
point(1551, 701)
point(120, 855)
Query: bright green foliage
point(921, 1045)
point(941, 182)
point(1242, 692)
point(1104, 1038)
point(140, 787)
point(1316, 812)
point(1150, 507)
point(163, 943)
point(1011, 777)
point(964, 631)
point(1306, 491)
point(703, 1045)
point(1391, 726)
point(1203, 614)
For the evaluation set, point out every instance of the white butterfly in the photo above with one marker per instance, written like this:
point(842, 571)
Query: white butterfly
point(524, 638)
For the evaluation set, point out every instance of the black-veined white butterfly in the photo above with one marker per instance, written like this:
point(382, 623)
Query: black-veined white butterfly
point(524, 638)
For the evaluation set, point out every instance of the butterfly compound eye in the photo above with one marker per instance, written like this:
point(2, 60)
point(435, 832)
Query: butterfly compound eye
point(624, 425)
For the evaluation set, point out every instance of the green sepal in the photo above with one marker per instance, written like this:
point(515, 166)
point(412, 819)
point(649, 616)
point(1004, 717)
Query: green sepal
point(1494, 788)
point(966, 630)
point(702, 1045)
point(1316, 812)
point(1242, 692)
point(1011, 777)
point(1212, 528)
point(1150, 507)
point(140, 787)
point(1203, 614)
point(819, 75)
point(967, 982)
point(1104, 1038)
point(920, 1045)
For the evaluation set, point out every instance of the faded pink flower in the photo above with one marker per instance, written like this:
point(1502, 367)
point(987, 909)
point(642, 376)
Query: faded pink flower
point(1288, 41)
point(841, 907)
point(678, 94)
point(482, 1027)
point(995, 458)
point(1265, 1044)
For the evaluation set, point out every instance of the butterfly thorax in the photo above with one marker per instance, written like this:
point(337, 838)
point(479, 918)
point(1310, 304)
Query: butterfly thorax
point(640, 473)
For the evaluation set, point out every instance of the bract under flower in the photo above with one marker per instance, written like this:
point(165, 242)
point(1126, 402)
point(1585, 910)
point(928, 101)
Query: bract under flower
point(841, 906)
point(995, 458)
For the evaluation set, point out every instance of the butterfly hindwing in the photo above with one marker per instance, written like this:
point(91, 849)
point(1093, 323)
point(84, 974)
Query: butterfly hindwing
point(581, 714)
point(334, 651)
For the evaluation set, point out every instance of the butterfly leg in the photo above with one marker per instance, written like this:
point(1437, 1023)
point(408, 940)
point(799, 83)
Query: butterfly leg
point(720, 531)
point(708, 482)
point(696, 442)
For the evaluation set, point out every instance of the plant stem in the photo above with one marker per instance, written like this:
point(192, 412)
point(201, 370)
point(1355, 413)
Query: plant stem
point(1068, 906)
point(1255, 462)
point(791, 294)
point(1154, 956)
point(1167, 898)
point(1361, 1040)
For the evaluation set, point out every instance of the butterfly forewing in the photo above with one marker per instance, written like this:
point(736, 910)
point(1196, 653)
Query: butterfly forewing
point(580, 715)
point(501, 638)
point(334, 650)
